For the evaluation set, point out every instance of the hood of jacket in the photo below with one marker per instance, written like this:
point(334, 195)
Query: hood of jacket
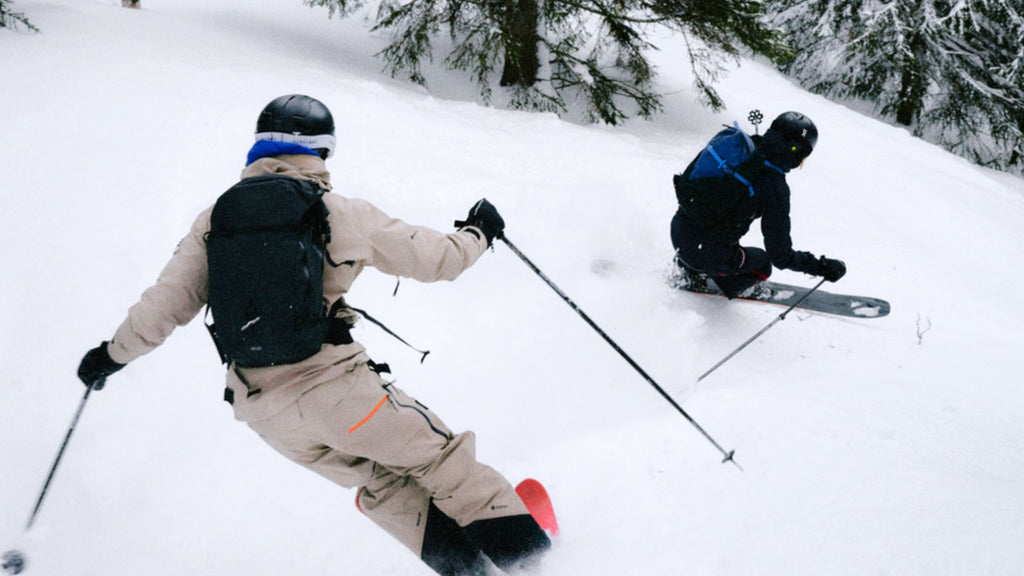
point(301, 166)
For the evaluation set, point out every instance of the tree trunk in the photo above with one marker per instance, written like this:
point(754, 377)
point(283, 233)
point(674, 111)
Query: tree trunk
point(906, 109)
point(519, 27)
point(1015, 154)
point(913, 83)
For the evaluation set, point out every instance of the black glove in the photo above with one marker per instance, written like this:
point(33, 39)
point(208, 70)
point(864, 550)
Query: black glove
point(96, 366)
point(831, 269)
point(484, 216)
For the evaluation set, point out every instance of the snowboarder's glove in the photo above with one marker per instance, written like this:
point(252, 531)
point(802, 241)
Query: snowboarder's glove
point(96, 366)
point(832, 269)
point(484, 216)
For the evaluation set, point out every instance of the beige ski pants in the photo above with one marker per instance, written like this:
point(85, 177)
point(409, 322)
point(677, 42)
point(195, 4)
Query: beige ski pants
point(359, 431)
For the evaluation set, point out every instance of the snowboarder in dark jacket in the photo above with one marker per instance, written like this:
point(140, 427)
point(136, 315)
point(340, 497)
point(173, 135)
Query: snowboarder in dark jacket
point(709, 248)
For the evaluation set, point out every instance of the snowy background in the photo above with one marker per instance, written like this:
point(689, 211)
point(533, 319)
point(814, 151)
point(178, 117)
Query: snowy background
point(871, 447)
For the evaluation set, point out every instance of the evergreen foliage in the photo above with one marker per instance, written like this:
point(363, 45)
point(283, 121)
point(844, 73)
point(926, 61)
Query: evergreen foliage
point(952, 71)
point(11, 19)
point(552, 52)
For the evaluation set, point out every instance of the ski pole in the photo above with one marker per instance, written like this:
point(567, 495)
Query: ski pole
point(13, 561)
point(728, 455)
point(60, 453)
point(762, 331)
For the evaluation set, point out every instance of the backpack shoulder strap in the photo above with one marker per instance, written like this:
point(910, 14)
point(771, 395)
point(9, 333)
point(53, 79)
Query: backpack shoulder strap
point(774, 167)
point(748, 172)
point(752, 168)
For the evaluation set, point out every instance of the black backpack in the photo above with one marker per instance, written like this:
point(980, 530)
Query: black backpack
point(720, 177)
point(266, 251)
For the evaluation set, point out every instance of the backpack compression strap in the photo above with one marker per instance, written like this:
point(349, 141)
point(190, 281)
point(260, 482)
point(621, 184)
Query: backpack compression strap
point(729, 170)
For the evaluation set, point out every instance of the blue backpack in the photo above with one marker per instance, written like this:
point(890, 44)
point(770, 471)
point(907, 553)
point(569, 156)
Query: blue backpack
point(721, 176)
point(724, 154)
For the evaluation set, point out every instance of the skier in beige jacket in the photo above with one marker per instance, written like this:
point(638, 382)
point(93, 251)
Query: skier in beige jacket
point(332, 412)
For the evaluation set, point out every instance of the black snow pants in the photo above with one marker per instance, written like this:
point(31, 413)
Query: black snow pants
point(732, 267)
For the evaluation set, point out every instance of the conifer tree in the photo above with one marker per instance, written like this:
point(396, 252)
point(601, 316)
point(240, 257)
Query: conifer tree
point(951, 71)
point(11, 19)
point(547, 53)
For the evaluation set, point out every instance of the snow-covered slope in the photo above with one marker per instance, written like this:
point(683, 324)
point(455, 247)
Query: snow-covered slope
point(886, 446)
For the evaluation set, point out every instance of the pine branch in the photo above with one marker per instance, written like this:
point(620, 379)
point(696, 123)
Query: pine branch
point(12, 20)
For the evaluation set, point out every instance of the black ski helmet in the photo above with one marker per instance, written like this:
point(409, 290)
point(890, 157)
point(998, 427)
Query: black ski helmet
point(298, 119)
point(799, 131)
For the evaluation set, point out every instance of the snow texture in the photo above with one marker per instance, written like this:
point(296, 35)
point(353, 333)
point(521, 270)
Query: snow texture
point(875, 447)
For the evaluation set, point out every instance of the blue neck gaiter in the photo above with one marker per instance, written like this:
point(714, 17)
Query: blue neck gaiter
point(267, 148)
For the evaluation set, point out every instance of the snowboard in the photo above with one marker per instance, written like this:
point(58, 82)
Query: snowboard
point(819, 301)
point(537, 501)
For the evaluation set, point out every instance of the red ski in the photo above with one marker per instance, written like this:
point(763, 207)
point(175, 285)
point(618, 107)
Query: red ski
point(537, 501)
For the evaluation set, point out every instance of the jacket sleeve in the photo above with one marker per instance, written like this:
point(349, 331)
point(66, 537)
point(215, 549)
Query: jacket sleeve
point(776, 225)
point(397, 248)
point(178, 295)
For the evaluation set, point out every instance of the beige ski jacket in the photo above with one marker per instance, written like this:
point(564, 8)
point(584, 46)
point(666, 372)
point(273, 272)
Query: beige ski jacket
point(362, 235)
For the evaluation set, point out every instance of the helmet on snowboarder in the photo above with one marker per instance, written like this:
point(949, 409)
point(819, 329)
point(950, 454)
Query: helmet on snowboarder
point(801, 133)
point(298, 119)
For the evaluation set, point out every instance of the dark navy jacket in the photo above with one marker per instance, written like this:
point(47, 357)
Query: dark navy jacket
point(770, 203)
